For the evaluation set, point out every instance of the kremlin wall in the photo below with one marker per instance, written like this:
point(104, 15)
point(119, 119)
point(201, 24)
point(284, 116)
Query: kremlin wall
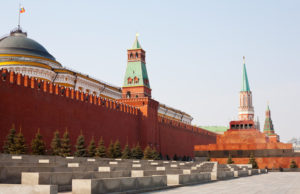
point(38, 93)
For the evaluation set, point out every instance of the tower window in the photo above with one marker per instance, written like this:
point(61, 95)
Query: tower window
point(129, 80)
point(128, 95)
point(136, 80)
point(131, 55)
point(136, 55)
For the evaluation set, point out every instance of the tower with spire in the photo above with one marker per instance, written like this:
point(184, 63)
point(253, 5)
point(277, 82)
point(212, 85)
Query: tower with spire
point(269, 127)
point(136, 82)
point(246, 110)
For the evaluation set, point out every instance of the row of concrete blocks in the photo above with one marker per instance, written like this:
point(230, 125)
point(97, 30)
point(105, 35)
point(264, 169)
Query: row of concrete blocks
point(111, 185)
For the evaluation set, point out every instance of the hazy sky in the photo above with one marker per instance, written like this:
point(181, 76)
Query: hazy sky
point(194, 50)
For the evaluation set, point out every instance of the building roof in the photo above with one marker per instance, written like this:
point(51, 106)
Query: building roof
point(215, 129)
point(18, 43)
point(245, 83)
point(136, 44)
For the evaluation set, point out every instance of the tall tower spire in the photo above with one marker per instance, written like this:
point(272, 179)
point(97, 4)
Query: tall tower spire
point(246, 110)
point(136, 81)
point(269, 128)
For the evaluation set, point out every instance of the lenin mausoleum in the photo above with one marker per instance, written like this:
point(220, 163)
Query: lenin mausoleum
point(244, 138)
point(37, 92)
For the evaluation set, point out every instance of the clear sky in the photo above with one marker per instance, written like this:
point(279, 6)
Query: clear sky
point(194, 50)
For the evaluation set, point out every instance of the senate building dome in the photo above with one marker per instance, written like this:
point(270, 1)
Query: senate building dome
point(18, 43)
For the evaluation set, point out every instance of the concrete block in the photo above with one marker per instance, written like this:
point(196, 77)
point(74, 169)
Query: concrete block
point(103, 169)
point(150, 160)
point(160, 168)
point(118, 159)
point(213, 176)
point(249, 172)
point(236, 173)
point(154, 163)
point(44, 161)
point(186, 171)
point(30, 178)
point(259, 171)
point(194, 168)
point(181, 164)
point(173, 161)
point(73, 165)
point(137, 173)
point(172, 179)
point(136, 165)
point(114, 163)
point(27, 189)
point(174, 166)
point(135, 161)
point(82, 186)
point(166, 162)
point(16, 157)
point(69, 157)
point(91, 160)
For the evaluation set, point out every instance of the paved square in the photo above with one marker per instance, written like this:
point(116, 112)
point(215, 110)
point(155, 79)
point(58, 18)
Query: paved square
point(271, 183)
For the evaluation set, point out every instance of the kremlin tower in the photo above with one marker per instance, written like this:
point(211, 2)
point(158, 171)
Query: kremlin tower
point(246, 110)
point(269, 128)
point(136, 82)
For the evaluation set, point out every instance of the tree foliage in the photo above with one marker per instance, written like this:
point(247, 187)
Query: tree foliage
point(293, 164)
point(110, 150)
point(148, 152)
point(9, 144)
point(56, 144)
point(92, 148)
point(117, 149)
point(101, 149)
point(229, 159)
point(20, 145)
point(80, 147)
point(252, 161)
point(155, 154)
point(38, 145)
point(65, 145)
point(126, 153)
point(137, 152)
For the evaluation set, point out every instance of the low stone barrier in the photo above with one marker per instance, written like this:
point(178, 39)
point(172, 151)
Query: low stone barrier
point(27, 189)
point(186, 179)
point(99, 186)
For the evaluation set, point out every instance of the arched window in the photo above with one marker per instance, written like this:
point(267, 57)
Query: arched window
point(136, 55)
point(136, 80)
point(129, 80)
point(131, 55)
point(128, 95)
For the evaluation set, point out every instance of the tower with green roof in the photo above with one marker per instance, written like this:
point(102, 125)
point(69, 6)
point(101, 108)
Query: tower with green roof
point(269, 127)
point(246, 110)
point(136, 82)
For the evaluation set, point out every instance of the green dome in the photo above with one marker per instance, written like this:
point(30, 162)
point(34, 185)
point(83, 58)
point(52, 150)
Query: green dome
point(18, 43)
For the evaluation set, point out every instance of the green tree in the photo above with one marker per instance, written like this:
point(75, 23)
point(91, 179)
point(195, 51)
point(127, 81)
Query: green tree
point(139, 151)
point(101, 150)
point(229, 159)
point(20, 145)
point(92, 148)
point(110, 150)
point(80, 146)
point(65, 145)
point(155, 154)
point(38, 145)
point(175, 157)
point(252, 161)
point(148, 152)
point(56, 144)
point(9, 144)
point(126, 153)
point(117, 149)
point(293, 164)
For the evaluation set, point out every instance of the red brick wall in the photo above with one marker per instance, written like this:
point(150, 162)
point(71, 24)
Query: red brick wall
point(51, 108)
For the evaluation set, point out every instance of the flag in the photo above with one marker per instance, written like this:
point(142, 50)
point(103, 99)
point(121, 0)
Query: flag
point(22, 10)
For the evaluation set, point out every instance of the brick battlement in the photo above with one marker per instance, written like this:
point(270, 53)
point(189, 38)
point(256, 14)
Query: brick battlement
point(37, 84)
point(185, 126)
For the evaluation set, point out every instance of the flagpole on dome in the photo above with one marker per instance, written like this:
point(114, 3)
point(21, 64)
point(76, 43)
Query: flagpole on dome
point(19, 27)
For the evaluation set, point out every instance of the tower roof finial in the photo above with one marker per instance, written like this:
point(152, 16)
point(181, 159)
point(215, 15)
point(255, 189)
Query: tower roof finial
point(244, 60)
point(136, 44)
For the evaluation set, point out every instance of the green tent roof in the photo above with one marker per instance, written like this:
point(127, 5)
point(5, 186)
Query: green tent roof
point(245, 83)
point(215, 128)
point(136, 44)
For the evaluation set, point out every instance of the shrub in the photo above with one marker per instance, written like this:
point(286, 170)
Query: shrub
point(117, 150)
point(9, 144)
point(101, 149)
point(80, 147)
point(20, 146)
point(65, 145)
point(92, 148)
point(38, 145)
point(252, 161)
point(110, 150)
point(126, 153)
point(148, 153)
point(56, 144)
point(229, 159)
point(293, 164)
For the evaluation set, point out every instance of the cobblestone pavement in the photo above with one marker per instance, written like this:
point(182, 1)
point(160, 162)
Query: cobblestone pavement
point(271, 183)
